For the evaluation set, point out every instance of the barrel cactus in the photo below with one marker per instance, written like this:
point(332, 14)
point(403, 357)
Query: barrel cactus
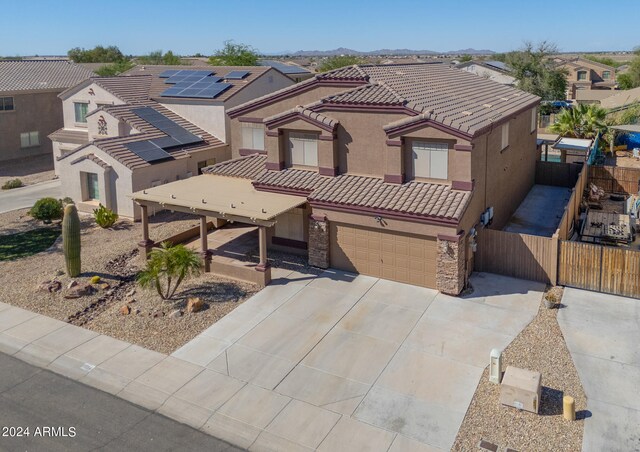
point(71, 240)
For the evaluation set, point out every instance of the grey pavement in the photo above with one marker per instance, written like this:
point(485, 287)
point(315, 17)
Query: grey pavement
point(84, 418)
point(540, 212)
point(602, 333)
point(20, 198)
point(324, 362)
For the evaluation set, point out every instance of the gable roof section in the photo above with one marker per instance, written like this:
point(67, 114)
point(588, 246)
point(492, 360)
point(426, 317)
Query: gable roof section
point(94, 158)
point(249, 167)
point(285, 68)
point(580, 62)
point(131, 90)
point(24, 75)
point(454, 98)
point(323, 121)
point(621, 99)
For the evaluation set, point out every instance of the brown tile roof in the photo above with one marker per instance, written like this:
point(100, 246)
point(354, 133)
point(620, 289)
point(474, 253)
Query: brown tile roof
point(131, 89)
point(94, 158)
point(115, 146)
point(158, 85)
point(70, 136)
point(452, 97)
point(306, 112)
point(293, 179)
point(249, 167)
point(579, 62)
point(22, 75)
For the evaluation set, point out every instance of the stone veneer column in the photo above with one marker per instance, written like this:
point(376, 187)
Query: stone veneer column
point(319, 241)
point(450, 269)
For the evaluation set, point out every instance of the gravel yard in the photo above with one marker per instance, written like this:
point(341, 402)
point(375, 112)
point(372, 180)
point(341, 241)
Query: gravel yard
point(30, 171)
point(112, 254)
point(541, 347)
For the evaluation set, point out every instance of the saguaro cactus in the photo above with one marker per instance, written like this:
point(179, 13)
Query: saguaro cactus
point(71, 240)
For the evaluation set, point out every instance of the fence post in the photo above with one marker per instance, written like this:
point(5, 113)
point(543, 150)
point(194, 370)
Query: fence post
point(555, 251)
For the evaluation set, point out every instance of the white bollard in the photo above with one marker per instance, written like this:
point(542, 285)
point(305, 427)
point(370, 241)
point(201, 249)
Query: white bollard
point(495, 366)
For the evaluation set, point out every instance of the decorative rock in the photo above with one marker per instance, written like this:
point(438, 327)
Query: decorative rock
point(131, 293)
point(80, 290)
point(125, 310)
point(51, 286)
point(104, 286)
point(73, 283)
point(194, 304)
point(137, 311)
point(131, 300)
point(158, 314)
point(176, 314)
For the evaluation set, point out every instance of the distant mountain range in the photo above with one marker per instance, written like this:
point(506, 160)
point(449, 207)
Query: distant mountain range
point(345, 51)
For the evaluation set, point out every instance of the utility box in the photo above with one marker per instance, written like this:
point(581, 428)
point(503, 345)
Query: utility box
point(521, 389)
point(495, 366)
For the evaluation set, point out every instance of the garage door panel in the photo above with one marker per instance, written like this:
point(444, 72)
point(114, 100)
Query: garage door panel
point(390, 255)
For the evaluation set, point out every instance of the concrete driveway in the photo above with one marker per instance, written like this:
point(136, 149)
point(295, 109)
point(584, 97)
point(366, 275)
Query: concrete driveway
point(603, 332)
point(20, 198)
point(322, 362)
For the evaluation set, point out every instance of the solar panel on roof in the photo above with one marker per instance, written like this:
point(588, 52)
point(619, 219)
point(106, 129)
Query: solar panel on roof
point(148, 151)
point(168, 73)
point(236, 75)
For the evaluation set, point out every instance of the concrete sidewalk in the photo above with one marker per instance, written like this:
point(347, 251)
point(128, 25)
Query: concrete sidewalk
point(602, 333)
point(309, 363)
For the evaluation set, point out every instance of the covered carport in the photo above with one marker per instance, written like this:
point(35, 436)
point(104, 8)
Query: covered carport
point(225, 198)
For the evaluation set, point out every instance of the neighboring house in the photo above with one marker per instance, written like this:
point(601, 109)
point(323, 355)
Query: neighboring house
point(583, 74)
point(496, 71)
point(392, 166)
point(291, 70)
point(103, 152)
point(29, 105)
point(620, 100)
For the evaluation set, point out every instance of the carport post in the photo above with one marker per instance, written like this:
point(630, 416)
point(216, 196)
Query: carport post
point(262, 237)
point(204, 245)
point(146, 243)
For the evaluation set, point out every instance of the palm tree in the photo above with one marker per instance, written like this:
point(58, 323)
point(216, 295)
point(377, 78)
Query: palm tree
point(583, 121)
point(167, 267)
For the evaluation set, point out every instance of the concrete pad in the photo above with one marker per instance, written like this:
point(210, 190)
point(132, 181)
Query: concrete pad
point(209, 390)
point(268, 442)
point(105, 381)
point(70, 367)
point(304, 424)
point(286, 337)
point(428, 423)
point(404, 444)
point(594, 307)
point(98, 350)
point(323, 389)
point(381, 321)
point(201, 350)
point(253, 366)
point(254, 406)
point(231, 430)
point(611, 427)
point(461, 342)
point(13, 316)
point(169, 375)
point(4, 306)
point(64, 339)
point(185, 412)
point(267, 301)
point(358, 435)
point(132, 362)
point(294, 277)
point(540, 212)
point(35, 328)
point(344, 283)
point(11, 345)
point(143, 395)
point(350, 355)
point(401, 295)
point(505, 292)
point(37, 356)
point(314, 305)
point(432, 379)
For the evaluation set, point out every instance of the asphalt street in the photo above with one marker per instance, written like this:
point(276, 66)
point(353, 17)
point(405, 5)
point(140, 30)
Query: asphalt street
point(64, 415)
point(19, 198)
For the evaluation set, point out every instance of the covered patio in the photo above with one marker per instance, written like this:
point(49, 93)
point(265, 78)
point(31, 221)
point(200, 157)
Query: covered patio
point(224, 199)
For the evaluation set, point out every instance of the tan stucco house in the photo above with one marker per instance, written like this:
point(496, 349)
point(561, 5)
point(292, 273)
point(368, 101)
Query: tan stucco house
point(29, 105)
point(100, 153)
point(384, 170)
point(584, 74)
point(496, 71)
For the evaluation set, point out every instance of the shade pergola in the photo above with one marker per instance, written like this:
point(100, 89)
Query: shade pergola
point(223, 197)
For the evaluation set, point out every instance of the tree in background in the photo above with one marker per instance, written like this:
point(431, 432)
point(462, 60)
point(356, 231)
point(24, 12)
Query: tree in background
point(157, 57)
point(631, 78)
point(336, 62)
point(464, 58)
point(235, 55)
point(535, 73)
point(98, 54)
point(113, 69)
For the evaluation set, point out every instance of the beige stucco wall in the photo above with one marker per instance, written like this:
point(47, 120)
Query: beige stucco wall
point(35, 111)
point(209, 117)
point(115, 127)
point(268, 82)
point(99, 96)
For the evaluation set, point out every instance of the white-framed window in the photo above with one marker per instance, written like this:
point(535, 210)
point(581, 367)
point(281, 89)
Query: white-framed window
point(253, 136)
point(303, 148)
point(606, 75)
point(505, 135)
point(430, 160)
point(29, 139)
point(582, 75)
point(6, 104)
point(81, 109)
point(534, 119)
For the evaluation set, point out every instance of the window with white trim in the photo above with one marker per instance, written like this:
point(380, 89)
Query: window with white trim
point(582, 75)
point(303, 148)
point(29, 139)
point(430, 160)
point(253, 136)
point(534, 119)
point(81, 110)
point(505, 135)
point(6, 104)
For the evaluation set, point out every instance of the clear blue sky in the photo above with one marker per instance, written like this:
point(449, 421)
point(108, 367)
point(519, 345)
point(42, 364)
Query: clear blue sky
point(48, 27)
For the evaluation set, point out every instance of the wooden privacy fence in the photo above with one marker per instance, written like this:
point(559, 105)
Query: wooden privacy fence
point(600, 268)
point(614, 179)
point(557, 174)
point(518, 255)
point(572, 209)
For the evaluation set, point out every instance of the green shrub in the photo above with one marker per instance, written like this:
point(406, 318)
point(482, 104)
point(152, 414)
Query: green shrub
point(105, 217)
point(47, 210)
point(13, 183)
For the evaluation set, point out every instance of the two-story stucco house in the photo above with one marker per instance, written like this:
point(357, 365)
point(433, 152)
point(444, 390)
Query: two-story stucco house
point(384, 170)
point(583, 74)
point(496, 71)
point(29, 105)
point(109, 145)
